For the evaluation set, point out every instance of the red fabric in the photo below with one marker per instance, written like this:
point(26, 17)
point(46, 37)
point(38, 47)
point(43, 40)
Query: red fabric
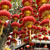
point(15, 15)
point(16, 32)
point(6, 3)
point(5, 13)
point(45, 21)
point(15, 24)
point(28, 18)
point(23, 1)
point(27, 8)
point(44, 8)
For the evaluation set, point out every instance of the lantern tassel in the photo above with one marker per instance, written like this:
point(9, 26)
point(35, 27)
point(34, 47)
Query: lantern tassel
point(15, 35)
point(30, 34)
point(1, 31)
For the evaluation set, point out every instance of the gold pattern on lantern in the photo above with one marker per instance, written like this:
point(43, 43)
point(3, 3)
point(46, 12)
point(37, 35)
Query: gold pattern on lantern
point(29, 24)
point(15, 28)
point(4, 18)
point(5, 7)
point(27, 3)
point(46, 15)
point(42, 2)
point(27, 13)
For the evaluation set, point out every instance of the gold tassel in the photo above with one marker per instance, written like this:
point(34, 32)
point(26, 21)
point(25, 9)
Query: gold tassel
point(15, 43)
point(30, 34)
point(1, 31)
point(15, 35)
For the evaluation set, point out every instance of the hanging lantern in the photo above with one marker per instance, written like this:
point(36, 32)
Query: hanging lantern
point(27, 2)
point(35, 37)
point(31, 44)
point(27, 11)
point(28, 21)
point(44, 12)
point(4, 16)
point(15, 34)
point(15, 25)
point(39, 35)
point(14, 41)
point(43, 30)
point(33, 28)
point(5, 5)
point(22, 32)
point(38, 30)
point(15, 17)
point(45, 38)
point(45, 23)
point(33, 5)
point(26, 40)
point(41, 2)
point(22, 26)
point(40, 40)
point(37, 23)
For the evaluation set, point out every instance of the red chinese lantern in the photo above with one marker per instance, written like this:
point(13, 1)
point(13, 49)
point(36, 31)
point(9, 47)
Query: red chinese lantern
point(40, 40)
point(28, 21)
point(45, 38)
point(14, 41)
point(15, 25)
point(44, 12)
point(27, 2)
point(31, 44)
point(5, 5)
point(15, 34)
point(4, 15)
point(45, 23)
point(15, 17)
point(27, 11)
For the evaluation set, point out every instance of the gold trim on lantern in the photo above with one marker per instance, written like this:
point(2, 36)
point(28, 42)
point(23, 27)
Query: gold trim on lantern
point(15, 28)
point(27, 13)
point(3, 18)
point(29, 24)
point(46, 15)
point(27, 3)
point(42, 2)
point(5, 7)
